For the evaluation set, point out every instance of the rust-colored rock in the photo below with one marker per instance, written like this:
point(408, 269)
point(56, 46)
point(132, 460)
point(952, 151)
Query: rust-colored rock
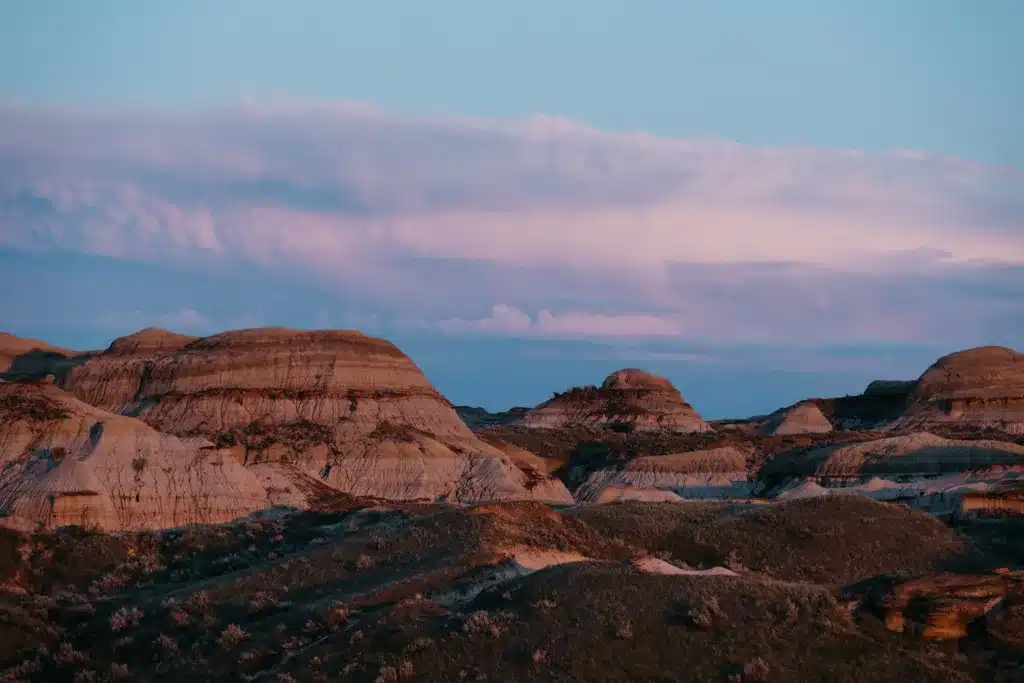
point(20, 356)
point(630, 397)
point(980, 388)
point(944, 607)
point(341, 406)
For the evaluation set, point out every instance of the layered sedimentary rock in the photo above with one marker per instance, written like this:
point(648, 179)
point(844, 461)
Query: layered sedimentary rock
point(803, 418)
point(980, 388)
point(65, 462)
point(920, 454)
point(111, 380)
point(1006, 497)
point(348, 409)
point(882, 402)
point(630, 397)
point(20, 356)
point(714, 473)
point(946, 606)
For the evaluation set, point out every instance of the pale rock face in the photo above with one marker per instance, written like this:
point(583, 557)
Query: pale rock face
point(630, 396)
point(620, 494)
point(802, 418)
point(714, 473)
point(341, 407)
point(978, 388)
point(66, 462)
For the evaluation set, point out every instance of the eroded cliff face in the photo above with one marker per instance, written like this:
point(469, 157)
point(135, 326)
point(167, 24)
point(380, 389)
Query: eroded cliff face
point(980, 388)
point(65, 462)
point(112, 379)
point(629, 397)
point(348, 409)
point(711, 473)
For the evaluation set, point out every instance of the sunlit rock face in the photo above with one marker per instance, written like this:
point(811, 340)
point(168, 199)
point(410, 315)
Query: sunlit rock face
point(976, 389)
point(348, 409)
point(64, 462)
point(629, 397)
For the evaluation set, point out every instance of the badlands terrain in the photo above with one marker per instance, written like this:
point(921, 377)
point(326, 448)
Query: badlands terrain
point(286, 505)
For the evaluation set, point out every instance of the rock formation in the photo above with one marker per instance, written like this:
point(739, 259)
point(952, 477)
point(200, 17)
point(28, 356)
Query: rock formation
point(348, 409)
point(20, 356)
point(912, 455)
point(631, 398)
point(882, 402)
point(65, 462)
point(715, 473)
point(478, 418)
point(1005, 497)
point(981, 388)
point(944, 607)
point(803, 418)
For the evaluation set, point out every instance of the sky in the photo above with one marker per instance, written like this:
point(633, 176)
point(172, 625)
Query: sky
point(760, 201)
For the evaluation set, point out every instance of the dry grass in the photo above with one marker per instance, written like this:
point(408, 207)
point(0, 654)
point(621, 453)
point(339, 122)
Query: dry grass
point(353, 592)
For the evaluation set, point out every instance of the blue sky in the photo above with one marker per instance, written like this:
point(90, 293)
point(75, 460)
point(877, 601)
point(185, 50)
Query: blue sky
point(938, 75)
point(762, 201)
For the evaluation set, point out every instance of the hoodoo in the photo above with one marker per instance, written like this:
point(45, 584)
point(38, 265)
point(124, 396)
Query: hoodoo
point(628, 397)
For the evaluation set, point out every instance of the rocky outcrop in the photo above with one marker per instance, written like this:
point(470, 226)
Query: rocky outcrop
point(912, 455)
point(803, 418)
point(977, 389)
point(65, 462)
point(348, 409)
point(714, 473)
point(882, 402)
point(946, 606)
point(111, 380)
point(1005, 498)
point(21, 357)
point(629, 398)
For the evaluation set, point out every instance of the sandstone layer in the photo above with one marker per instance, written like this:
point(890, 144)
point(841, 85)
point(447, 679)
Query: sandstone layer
point(981, 388)
point(631, 398)
point(348, 409)
point(803, 418)
point(713, 473)
point(66, 462)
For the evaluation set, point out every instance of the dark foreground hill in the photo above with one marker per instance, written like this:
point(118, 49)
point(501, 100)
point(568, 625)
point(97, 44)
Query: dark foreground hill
point(359, 590)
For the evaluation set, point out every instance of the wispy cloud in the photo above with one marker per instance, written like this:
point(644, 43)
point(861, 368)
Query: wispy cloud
point(540, 227)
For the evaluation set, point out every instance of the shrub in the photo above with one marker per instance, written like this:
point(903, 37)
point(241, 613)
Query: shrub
point(231, 636)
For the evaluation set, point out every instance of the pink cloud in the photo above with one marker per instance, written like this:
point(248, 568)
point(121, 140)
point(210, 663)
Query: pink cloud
point(586, 233)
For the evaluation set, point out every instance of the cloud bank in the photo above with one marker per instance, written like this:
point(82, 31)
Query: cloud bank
point(532, 228)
